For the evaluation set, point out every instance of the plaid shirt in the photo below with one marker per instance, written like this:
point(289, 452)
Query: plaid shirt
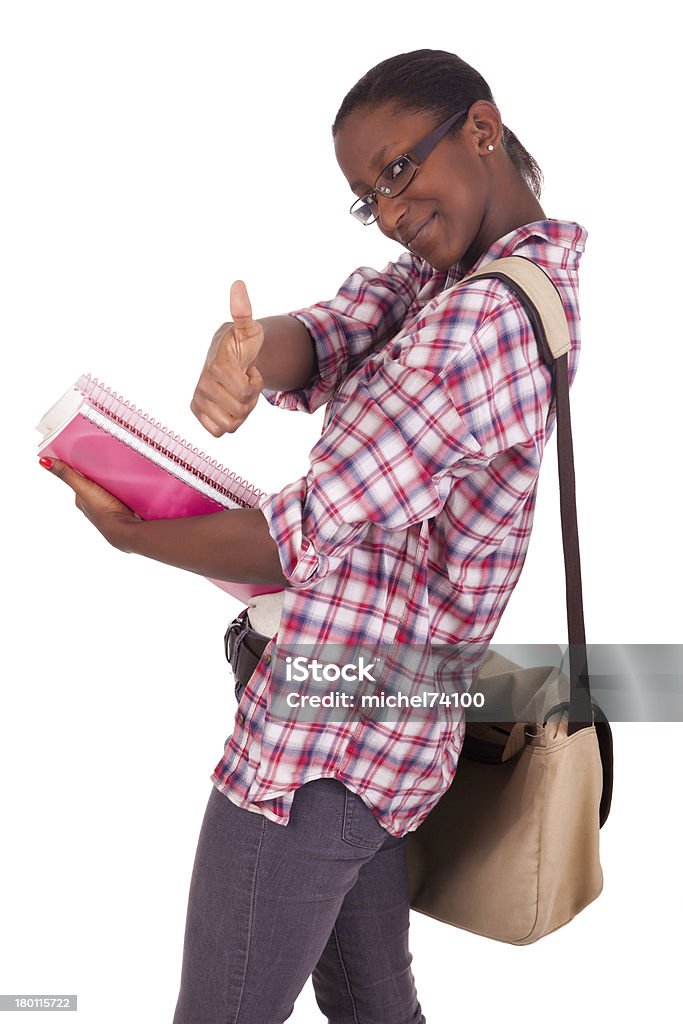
point(412, 523)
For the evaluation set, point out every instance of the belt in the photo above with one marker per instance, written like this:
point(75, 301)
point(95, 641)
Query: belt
point(243, 649)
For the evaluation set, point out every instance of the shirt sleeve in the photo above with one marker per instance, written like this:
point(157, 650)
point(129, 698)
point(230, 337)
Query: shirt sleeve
point(391, 454)
point(367, 310)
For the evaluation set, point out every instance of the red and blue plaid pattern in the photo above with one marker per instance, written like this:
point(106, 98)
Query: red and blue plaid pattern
point(412, 523)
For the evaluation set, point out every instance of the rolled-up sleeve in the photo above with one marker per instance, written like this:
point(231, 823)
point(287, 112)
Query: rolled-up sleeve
point(387, 459)
point(391, 455)
point(369, 308)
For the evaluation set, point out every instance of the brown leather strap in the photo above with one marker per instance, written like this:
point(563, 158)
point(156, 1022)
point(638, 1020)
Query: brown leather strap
point(544, 313)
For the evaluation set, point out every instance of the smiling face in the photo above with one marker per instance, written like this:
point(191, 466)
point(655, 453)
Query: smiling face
point(450, 209)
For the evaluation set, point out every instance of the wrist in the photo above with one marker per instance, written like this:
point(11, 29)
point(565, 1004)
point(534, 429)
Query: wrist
point(123, 532)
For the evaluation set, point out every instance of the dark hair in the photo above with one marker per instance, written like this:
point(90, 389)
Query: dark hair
point(438, 82)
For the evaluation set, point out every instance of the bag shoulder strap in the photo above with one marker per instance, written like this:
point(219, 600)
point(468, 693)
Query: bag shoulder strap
point(542, 292)
point(541, 299)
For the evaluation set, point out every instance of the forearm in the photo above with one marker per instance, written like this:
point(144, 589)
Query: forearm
point(287, 359)
point(232, 545)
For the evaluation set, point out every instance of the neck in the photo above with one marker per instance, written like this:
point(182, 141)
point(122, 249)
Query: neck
point(516, 206)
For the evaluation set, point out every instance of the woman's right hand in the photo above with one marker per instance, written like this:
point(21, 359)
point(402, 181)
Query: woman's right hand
point(229, 385)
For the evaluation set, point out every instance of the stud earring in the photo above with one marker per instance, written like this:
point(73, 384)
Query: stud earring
point(490, 148)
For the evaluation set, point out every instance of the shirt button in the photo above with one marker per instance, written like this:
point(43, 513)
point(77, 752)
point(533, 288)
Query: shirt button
point(239, 718)
point(268, 659)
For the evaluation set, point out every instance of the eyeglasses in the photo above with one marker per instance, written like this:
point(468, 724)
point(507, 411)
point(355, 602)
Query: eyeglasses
point(397, 175)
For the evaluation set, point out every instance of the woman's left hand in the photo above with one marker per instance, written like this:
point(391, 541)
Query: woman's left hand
point(107, 513)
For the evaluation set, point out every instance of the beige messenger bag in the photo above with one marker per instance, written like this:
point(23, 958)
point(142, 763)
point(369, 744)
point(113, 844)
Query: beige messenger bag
point(511, 849)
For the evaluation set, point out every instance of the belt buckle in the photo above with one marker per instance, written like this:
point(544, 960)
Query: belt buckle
point(234, 635)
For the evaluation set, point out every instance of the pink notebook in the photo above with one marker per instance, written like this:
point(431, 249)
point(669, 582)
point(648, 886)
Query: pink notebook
point(151, 470)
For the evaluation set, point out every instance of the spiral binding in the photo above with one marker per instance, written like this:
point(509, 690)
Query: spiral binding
point(174, 447)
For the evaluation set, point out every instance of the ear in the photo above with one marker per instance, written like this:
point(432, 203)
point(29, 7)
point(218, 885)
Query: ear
point(484, 126)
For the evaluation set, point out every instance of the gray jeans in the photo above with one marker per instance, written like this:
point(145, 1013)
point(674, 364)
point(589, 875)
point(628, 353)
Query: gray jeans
point(271, 905)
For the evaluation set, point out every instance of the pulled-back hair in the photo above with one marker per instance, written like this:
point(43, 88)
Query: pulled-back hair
point(437, 82)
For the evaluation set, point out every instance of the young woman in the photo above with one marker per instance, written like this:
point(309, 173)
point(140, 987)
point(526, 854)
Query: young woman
point(410, 528)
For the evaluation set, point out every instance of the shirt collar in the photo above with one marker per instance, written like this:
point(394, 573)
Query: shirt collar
point(565, 233)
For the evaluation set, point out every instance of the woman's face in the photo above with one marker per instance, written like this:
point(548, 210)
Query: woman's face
point(444, 214)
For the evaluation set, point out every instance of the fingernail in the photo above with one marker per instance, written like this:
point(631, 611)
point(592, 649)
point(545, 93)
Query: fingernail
point(47, 463)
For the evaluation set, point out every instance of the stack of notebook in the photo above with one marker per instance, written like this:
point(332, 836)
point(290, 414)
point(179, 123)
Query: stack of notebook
point(152, 471)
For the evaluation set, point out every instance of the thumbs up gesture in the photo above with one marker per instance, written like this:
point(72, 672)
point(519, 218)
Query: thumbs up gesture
point(229, 385)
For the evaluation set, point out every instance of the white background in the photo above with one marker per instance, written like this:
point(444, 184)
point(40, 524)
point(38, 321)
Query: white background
point(152, 154)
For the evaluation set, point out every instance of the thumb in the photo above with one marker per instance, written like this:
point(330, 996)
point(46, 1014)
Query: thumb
point(64, 472)
point(83, 486)
point(240, 306)
point(247, 331)
point(79, 484)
